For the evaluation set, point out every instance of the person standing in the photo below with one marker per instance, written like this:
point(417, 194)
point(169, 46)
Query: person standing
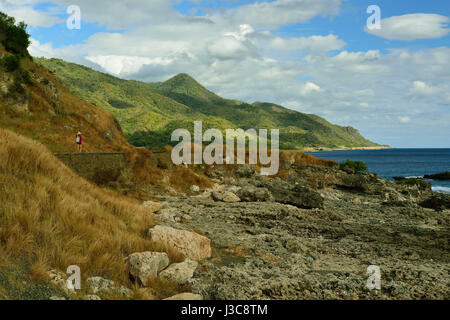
point(79, 142)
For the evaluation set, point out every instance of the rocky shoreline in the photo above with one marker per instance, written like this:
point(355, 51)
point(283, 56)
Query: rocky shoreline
point(311, 236)
point(443, 176)
point(316, 149)
point(314, 236)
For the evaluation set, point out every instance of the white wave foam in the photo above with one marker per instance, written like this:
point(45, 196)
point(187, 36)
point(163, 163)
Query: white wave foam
point(441, 189)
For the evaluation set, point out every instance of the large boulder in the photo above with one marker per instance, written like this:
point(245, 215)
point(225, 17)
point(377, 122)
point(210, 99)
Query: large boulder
point(146, 265)
point(304, 197)
point(355, 182)
point(225, 196)
point(105, 286)
point(180, 273)
point(294, 193)
point(254, 194)
point(438, 202)
point(190, 244)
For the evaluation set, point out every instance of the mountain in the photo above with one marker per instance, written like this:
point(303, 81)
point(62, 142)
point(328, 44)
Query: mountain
point(149, 112)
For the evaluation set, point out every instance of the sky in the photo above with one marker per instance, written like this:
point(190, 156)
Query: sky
point(314, 56)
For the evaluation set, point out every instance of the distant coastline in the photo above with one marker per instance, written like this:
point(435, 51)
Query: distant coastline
point(315, 149)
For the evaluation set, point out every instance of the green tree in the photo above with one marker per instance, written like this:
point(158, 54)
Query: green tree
point(14, 37)
point(358, 166)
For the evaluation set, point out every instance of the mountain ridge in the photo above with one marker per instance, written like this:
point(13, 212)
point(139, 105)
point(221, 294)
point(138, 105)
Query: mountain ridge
point(149, 111)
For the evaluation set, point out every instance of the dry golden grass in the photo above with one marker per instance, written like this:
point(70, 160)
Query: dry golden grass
point(161, 288)
point(303, 158)
point(52, 215)
point(183, 178)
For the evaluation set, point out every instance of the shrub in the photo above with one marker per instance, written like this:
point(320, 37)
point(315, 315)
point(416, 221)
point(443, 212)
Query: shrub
point(16, 89)
point(358, 166)
point(421, 183)
point(15, 37)
point(10, 63)
point(25, 77)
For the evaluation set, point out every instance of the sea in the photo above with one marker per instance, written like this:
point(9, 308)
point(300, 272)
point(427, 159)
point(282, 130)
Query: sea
point(390, 163)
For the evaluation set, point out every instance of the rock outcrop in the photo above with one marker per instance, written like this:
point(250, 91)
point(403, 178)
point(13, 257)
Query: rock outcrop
point(146, 265)
point(180, 273)
point(190, 244)
point(99, 285)
point(437, 201)
point(225, 196)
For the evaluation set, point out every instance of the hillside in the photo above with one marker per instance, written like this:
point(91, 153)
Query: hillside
point(148, 112)
point(49, 217)
point(34, 103)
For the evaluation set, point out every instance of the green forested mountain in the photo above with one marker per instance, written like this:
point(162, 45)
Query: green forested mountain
point(149, 112)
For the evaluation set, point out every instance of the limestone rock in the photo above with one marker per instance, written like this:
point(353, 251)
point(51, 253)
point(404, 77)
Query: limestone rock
point(180, 272)
point(146, 265)
point(195, 188)
point(226, 196)
point(58, 279)
point(152, 206)
point(99, 284)
point(190, 244)
point(186, 297)
point(253, 194)
point(102, 285)
point(167, 215)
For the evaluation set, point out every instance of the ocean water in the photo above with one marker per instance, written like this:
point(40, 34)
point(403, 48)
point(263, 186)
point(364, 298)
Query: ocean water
point(391, 163)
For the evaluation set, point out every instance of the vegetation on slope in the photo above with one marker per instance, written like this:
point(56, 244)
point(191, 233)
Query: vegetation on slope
point(35, 104)
point(148, 111)
point(50, 217)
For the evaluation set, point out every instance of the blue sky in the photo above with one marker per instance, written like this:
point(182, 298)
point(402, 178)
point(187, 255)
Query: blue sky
point(314, 56)
point(349, 25)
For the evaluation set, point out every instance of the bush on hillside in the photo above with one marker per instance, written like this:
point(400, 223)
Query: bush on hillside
point(14, 36)
point(10, 63)
point(16, 89)
point(25, 77)
point(358, 166)
point(421, 183)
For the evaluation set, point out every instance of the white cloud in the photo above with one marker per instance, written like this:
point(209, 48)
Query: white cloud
point(22, 10)
point(125, 65)
point(228, 47)
point(412, 27)
point(404, 119)
point(308, 88)
point(421, 88)
point(272, 15)
point(313, 43)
